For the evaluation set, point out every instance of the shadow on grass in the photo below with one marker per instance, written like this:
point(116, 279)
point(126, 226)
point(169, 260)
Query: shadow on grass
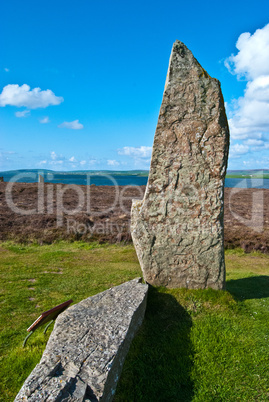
point(159, 362)
point(254, 287)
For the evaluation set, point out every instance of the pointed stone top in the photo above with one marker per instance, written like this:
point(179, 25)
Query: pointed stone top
point(182, 62)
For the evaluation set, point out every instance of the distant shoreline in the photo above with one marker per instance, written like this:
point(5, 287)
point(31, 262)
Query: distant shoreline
point(231, 174)
point(240, 179)
point(113, 178)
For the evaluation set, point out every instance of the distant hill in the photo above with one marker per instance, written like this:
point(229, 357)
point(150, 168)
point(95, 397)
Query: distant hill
point(93, 172)
point(250, 173)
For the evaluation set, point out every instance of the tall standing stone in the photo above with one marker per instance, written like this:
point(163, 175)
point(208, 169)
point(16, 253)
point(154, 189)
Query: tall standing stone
point(177, 229)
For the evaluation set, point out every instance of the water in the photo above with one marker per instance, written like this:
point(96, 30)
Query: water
point(106, 179)
point(247, 183)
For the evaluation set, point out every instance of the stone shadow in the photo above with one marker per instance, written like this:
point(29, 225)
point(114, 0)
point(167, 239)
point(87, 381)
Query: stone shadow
point(159, 362)
point(254, 287)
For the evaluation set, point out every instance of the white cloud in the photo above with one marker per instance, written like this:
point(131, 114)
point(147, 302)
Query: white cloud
point(45, 120)
point(254, 142)
point(16, 95)
point(111, 162)
point(262, 163)
point(58, 161)
point(249, 115)
point(252, 59)
point(93, 161)
point(139, 156)
point(73, 125)
point(256, 145)
point(240, 149)
point(53, 155)
point(54, 160)
point(24, 113)
point(141, 152)
point(237, 150)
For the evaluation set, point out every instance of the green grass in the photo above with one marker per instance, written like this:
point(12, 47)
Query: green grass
point(37, 278)
point(247, 176)
point(194, 345)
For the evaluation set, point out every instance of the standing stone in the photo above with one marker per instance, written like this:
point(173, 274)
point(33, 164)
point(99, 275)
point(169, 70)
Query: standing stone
point(177, 229)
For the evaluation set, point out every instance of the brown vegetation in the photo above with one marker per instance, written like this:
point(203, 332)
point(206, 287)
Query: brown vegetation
point(99, 217)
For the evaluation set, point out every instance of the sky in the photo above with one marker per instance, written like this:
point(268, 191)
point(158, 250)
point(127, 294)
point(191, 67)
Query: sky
point(81, 82)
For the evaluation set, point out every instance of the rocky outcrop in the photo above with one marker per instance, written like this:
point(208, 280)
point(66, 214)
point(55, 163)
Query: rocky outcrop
point(177, 229)
point(87, 347)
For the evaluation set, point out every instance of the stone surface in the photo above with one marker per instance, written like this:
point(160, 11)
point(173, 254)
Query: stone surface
point(177, 229)
point(87, 347)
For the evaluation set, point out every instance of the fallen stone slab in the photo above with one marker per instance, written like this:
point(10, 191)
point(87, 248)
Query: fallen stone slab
point(177, 229)
point(86, 350)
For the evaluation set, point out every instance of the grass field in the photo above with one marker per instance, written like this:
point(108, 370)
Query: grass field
point(194, 345)
point(247, 176)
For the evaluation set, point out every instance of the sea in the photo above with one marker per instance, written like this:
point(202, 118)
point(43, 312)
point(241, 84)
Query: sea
point(107, 179)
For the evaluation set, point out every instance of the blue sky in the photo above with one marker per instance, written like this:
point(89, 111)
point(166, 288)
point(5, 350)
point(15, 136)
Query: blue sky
point(81, 82)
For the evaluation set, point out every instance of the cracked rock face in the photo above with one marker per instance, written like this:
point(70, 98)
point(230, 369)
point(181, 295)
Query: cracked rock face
point(85, 353)
point(177, 229)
